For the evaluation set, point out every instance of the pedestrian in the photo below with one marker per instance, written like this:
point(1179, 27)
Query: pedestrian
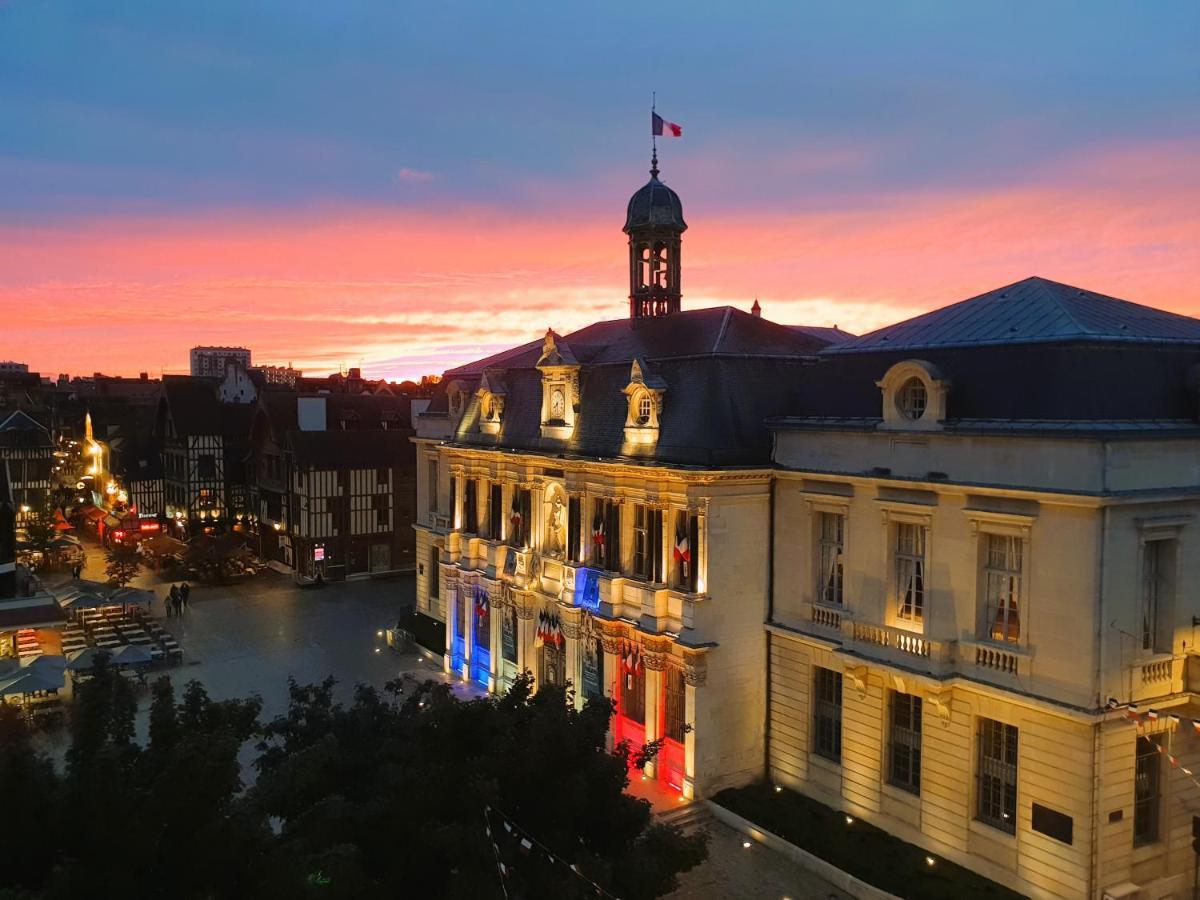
point(184, 590)
point(173, 600)
point(76, 571)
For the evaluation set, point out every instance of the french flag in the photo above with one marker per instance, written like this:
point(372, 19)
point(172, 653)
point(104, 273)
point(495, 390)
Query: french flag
point(660, 127)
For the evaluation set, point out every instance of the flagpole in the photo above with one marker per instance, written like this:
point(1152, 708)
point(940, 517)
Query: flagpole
point(653, 136)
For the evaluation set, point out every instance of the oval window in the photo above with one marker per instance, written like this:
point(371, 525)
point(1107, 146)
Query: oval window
point(912, 398)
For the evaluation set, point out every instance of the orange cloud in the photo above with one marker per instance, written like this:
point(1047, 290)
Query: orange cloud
point(404, 293)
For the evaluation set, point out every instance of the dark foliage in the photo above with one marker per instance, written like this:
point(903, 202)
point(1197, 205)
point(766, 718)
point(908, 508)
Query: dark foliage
point(383, 796)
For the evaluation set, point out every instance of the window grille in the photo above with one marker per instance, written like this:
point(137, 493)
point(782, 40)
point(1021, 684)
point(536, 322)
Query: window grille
point(827, 713)
point(1147, 789)
point(996, 775)
point(904, 742)
point(673, 728)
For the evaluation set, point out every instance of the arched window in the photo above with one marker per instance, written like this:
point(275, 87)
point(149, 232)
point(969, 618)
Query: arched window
point(645, 409)
point(912, 398)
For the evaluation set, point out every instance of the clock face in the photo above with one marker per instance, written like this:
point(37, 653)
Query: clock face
point(558, 404)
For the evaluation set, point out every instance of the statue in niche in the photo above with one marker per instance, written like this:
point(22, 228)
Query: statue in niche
point(555, 527)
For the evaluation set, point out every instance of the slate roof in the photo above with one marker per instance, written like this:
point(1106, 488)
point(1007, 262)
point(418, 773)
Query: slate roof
point(1035, 310)
point(654, 205)
point(20, 430)
point(724, 370)
point(350, 449)
point(833, 335)
point(195, 408)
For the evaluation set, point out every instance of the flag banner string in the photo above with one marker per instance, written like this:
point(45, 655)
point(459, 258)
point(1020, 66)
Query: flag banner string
point(1176, 720)
point(526, 843)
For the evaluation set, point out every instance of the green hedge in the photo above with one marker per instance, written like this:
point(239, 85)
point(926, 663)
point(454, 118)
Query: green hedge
point(866, 852)
point(426, 630)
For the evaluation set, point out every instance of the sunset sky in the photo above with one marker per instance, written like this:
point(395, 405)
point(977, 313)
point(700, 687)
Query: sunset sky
point(407, 186)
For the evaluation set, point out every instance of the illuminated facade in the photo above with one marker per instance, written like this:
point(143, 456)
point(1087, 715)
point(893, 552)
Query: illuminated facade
point(982, 637)
point(588, 513)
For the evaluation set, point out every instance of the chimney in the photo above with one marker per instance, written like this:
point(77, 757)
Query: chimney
point(756, 310)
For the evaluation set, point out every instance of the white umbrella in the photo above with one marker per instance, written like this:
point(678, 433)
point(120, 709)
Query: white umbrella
point(131, 655)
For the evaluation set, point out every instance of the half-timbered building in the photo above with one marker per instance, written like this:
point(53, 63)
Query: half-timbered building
point(26, 445)
point(335, 484)
point(204, 443)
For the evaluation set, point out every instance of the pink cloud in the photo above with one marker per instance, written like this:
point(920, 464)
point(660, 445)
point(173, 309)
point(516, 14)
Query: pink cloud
point(403, 293)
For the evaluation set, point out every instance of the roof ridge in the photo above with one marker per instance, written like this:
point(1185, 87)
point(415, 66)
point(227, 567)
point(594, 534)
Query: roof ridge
point(724, 327)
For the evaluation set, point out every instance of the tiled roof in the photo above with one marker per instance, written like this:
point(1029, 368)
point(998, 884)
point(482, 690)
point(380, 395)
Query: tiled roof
point(1035, 310)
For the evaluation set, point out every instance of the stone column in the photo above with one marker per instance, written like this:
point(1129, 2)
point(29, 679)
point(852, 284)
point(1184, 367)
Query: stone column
point(694, 673)
point(610, 639)
point(450, 592)
point(569, 619)
point(525, 635)
point(654, 659)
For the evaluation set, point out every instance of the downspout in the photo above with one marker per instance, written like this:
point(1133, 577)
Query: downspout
point(770, 614)
point(1102, 566)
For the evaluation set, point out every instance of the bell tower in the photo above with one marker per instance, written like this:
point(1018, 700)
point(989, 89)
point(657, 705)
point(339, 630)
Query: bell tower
point(655, 226)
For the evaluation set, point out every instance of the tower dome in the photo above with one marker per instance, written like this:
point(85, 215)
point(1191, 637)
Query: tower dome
point(655, 225)
point(654, 205)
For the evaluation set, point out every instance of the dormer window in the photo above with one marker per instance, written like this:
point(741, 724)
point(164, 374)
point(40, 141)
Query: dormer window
point(560, 387)
point(914, 396)
point(645, 393)
point(491, 396)
point(912, 399)
point(645, 408)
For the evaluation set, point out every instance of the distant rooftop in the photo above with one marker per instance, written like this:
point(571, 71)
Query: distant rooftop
point(1035, 310)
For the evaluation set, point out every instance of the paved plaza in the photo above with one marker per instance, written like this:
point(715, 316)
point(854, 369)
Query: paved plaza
point(248, 637)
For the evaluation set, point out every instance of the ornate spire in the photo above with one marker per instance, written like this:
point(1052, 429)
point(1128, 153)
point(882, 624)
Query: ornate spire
point(654, 163)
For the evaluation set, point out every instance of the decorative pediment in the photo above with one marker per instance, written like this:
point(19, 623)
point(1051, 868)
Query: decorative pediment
point(491, 395)
point(555, 352)
point(645, 392)
point(560, 387)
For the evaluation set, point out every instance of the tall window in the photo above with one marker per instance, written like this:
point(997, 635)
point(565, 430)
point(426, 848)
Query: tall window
point(647, 542)
point(831, 527)
point(904, 742)
point(574, 529)
point(508, 634)
point(483, 619)
point(495, 511)
point(827, 713)
point(676, 705)
point(633, 694)
point(910, 571)
point(432, 487)
point(520, 517)
point(1157, 562)
point(453, 498)
point(470, 509)
point(435, 574)
point(1002, 583)
point(606, 535)
point(997, 775)
point(381, 503)
point(1147, 789)
point(592, 668)
point(553, 665)
point(685, 553)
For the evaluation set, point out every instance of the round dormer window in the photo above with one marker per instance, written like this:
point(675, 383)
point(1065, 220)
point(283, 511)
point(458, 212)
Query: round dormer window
point(912, 398)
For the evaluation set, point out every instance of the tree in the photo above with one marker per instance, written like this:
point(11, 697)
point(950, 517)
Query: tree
point(39, 529)
point(376, 798)
point(377, 794)
point(122, 565)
